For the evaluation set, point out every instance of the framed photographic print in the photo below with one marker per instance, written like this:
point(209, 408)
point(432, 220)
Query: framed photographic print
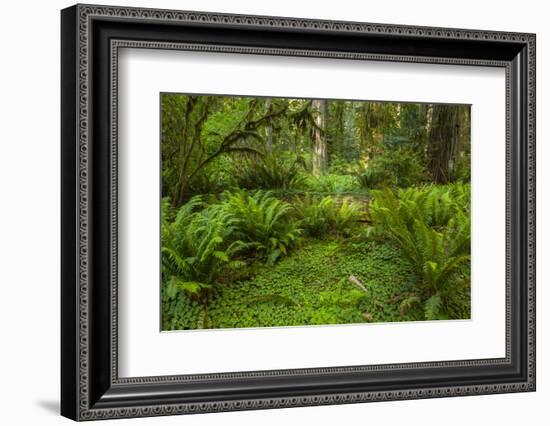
point(263, 212)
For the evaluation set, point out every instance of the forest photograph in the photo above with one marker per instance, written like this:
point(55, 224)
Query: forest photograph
point(280, 212)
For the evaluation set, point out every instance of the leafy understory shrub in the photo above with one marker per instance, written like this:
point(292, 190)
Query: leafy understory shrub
point(331, 183)
point(320, 216)
point(399, 167)
point(262, 222)
point(432, 230)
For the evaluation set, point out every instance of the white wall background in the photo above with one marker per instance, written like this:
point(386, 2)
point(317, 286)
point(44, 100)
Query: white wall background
point(29, 213)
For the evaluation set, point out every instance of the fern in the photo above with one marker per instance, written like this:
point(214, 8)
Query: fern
point(370, 177)
point(312, 212)
point(320, 216)
point(197, 246)
point(270, 172)
point(432, 230)
point(432, 307)
point(344, 218)
point(192, 288)
point(263, 223)
point(408, 303)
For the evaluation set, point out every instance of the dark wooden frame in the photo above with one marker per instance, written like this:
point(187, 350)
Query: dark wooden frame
point(90, 386)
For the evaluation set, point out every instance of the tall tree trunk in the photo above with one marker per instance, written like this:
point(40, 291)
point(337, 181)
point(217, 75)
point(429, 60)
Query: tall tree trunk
point(443, 142)
point(354, 129)
point(269, 128)
point(464, 131)
point(319, 164)
point(337, 137)
point(429, 118)
point(398, 116)
point(196, 114)
point(364, 127)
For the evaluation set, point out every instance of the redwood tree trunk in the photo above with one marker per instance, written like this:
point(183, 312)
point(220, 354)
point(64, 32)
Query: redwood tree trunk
point(269, 127)
point(319, 163)
point(443, 142)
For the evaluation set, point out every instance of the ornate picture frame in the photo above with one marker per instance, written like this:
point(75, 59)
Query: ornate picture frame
point(91, 37)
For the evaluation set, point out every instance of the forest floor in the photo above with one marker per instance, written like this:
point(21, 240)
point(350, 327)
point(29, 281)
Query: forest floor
point(312, 286)
point(346, 276)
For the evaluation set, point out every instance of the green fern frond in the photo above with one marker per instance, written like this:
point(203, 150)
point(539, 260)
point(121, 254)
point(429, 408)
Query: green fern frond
point(432, 230)
point(432, 307)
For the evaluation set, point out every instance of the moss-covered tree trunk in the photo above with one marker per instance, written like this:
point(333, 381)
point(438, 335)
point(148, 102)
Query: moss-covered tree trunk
point(196, 114)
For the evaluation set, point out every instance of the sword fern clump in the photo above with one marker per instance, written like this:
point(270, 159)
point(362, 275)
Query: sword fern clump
point(203, 242)
point(197, 246)
point(263, 223)
point(432, 230)
point(270, 172)
point(322, 216)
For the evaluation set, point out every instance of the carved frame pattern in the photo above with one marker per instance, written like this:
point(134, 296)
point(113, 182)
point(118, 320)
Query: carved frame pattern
point(85, 13)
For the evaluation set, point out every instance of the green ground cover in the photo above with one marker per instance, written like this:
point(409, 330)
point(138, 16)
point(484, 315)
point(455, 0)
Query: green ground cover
point(311, 286)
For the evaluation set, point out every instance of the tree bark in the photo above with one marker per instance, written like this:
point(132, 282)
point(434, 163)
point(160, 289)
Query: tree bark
point(398, 116)
point(443, 142)
point(335, 129)
point(319, 163)
point(429, 117)
point(191, 138)
point(269, 128)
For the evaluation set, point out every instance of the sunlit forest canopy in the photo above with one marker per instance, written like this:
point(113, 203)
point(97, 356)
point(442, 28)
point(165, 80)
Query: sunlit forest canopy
point(210, 142)
point(283, 212)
